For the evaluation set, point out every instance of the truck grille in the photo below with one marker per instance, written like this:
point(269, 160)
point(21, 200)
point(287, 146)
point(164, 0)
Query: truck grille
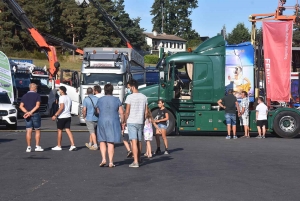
point(3, 113)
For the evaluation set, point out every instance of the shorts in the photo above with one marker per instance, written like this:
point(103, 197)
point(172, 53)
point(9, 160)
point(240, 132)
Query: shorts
point(63, 123)
point(261, 123)
point(162, 126)
point(126, 137)
point(244, 120)
point(230, 119)
point(135, 131)
point(91, 126)
point(34, 121)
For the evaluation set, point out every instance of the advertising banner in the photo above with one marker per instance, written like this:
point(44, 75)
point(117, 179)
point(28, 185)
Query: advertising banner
point(239, 69)
point(277, 43)
point(5, 76)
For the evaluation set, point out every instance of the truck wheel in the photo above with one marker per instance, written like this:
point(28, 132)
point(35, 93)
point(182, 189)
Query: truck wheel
point(170, 123)
point(287, 124)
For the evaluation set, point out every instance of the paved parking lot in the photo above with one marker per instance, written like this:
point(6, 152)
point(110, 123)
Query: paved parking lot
point(198, 168)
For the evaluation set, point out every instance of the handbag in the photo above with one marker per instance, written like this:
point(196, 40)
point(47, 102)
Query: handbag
point(95, 109)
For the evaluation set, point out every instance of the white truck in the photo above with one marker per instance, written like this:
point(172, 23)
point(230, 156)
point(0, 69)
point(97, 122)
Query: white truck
point(105, 65)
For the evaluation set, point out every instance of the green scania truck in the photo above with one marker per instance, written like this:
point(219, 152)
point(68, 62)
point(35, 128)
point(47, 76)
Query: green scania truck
point(192, 105)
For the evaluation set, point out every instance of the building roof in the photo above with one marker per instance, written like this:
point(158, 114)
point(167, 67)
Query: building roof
point(164, 37)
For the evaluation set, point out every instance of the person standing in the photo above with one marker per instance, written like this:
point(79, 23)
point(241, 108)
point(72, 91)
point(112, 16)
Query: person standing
point(63, 119)
point(136, 110)
point(161, 120)
point(109, 128)
point(97, 91)
point(261, 118)
point(230, 103)
point(244, 114)
point(88, 113)
point(30, 104)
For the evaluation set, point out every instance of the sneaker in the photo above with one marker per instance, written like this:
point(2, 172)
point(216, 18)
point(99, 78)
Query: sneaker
point(72, 148)
point(258, 137)
point(88, 145)
point(157, 151)
point(263, 137)
point(228, 137)
point(134, 165)
point(235, 137)
point(166, 152)
point(93, 148)
point(28, 149)
point(57, 148)
point(38, 148)
point(129, 154)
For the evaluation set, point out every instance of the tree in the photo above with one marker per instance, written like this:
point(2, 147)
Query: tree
point(130, 27)
point(9, 40)
point(239, 34)
point(72, 20)
point(175, 19)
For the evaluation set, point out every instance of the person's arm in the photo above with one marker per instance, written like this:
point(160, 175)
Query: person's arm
point(220, 103)
point(127, 112)
point(256, 115)
point(121, 113)
point(84, 112)
point(61, 108)
point(237, 106)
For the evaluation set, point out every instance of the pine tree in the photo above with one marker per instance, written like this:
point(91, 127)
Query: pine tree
point(9, 40)
point(72, 20)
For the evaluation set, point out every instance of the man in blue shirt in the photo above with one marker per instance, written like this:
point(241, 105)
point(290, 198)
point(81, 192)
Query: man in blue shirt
point(30, 104)
point(89, 104)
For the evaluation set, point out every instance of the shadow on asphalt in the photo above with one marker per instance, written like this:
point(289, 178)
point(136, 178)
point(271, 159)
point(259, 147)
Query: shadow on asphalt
point(6, 140)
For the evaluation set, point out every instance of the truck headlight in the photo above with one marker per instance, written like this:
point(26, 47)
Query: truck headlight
point(12, 111)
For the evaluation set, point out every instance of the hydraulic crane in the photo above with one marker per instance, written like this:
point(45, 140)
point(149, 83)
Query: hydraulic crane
point(277, 15)
point(42, 40)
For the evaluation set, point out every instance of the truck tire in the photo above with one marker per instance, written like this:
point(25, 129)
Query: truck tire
point(287, 124)
point(171, 123)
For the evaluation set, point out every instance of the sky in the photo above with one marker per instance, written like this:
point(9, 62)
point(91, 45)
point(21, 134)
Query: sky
point(211, 15)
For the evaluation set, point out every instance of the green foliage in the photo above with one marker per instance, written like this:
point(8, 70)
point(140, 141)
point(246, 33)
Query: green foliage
point(176, 18)
point(238, 35)
point(151, 59)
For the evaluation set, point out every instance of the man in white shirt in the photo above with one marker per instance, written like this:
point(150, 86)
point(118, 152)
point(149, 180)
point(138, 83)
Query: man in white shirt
point(136, 108)
point(244, 114)
point(97, 91)
point(261, 118)
point(63, 116)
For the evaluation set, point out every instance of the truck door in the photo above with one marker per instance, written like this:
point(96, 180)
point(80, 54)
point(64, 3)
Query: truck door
point(168, 84)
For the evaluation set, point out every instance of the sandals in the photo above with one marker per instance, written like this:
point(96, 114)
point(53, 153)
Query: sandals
point(111, 165)
point(102, 164)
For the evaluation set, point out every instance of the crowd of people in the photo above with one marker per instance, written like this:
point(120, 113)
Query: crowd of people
point(230, 104)
point(106, 120)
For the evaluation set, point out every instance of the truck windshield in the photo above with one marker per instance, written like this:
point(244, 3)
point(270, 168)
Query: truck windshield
point(102, 79)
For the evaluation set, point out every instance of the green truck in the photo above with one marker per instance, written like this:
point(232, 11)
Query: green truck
point(192, 105)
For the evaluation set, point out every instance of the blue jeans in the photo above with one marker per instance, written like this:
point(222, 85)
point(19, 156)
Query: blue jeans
point(33, 122)
point(230, 119)
point(135, 131)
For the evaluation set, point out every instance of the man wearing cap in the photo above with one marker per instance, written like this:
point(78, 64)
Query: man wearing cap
point(230, 103)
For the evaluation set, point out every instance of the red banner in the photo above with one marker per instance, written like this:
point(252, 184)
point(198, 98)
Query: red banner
point(277, 42)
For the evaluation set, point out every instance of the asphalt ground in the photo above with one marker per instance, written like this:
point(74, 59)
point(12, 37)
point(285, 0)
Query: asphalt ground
point(198, 168)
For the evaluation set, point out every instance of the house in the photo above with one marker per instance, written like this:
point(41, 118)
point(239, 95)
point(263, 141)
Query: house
point(170, 43)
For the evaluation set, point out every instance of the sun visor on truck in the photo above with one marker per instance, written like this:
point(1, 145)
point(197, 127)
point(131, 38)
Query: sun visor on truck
point(212, 46)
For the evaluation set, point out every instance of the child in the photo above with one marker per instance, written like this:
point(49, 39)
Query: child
point(125, 141)
point(148, 132)
point(161, 120)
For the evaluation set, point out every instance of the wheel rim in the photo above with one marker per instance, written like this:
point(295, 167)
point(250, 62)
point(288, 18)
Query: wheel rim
point(287, 124)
